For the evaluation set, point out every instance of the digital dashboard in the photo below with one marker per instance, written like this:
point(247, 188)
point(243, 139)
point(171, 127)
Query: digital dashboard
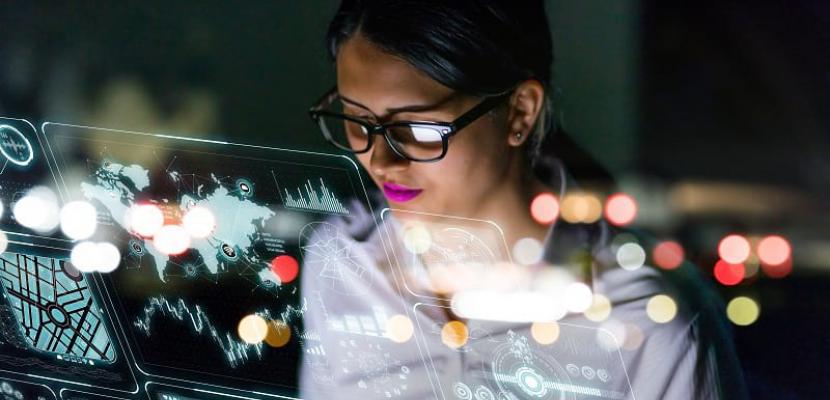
point(174, 319)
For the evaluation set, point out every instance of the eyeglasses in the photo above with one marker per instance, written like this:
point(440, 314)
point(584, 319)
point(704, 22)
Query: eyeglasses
point(422, 141)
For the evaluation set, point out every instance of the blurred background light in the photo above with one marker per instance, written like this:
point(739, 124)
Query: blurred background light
point(734, 249)
point(729, 274)
point(145, 219)
point(454, 334)
point(252, 329)
point(171, 239)
point(527, 251)
point(661, 308)
point(545, 333)
point(668, 254)
point(743, 311)
point(199, 222)
point(544, 208)
point(78, 220)
point(774, 250)
point(620, 209)
point(631, 256)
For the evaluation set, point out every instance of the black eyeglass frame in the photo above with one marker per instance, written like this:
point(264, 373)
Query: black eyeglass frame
point(445, 129)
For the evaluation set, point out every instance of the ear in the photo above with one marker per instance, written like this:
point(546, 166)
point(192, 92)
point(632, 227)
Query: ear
point(523, 110)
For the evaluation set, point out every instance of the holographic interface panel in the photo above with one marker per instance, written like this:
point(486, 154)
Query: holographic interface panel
point(211, 237)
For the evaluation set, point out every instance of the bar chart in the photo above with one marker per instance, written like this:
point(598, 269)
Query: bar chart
point(315, 199)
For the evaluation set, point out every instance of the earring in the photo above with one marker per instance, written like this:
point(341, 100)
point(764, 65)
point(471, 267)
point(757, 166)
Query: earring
point(518, 135)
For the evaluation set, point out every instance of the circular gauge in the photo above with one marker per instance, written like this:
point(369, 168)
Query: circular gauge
point(529, 374)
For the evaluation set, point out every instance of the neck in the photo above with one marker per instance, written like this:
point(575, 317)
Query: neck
point(509, 206)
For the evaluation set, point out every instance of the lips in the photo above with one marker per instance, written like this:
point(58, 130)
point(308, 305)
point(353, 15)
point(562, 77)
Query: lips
point(400, 193)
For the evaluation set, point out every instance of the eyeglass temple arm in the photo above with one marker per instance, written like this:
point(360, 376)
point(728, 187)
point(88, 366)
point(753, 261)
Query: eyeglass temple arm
point(477, 111)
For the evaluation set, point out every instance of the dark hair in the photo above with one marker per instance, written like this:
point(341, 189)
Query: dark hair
point(477, 47)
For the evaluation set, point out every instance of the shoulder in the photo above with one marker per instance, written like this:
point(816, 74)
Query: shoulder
point(677, 313)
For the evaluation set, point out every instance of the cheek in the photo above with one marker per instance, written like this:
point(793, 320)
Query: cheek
point(472, 164)
point(478, 154)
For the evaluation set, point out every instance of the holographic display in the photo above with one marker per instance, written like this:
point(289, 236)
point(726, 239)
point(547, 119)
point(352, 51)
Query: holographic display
point(23, 167)
point(67, 394)
point(506, 361)
point(214, 239)
point(14, 146)
point(53, 325)
point(428, 243)
point(55, 309)
point(331, 258)
point(13, 389)
point(309, 199)
point(189, 294)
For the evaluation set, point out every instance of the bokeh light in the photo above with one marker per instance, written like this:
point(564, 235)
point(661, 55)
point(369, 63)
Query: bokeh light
point(172, 239)
point(279, 334)
point(661, 309)
point(512, 306)
point(545, 208)
point(600, 308)
point(578, 297)
point(199, 222)
point(285, 267)
point(527, 251)
point(416, 238)
point(734, 249)
point(38, 210)
point(620, 209)
point(399, 328)
point(743, 311)
point(78, 220)
point(545, 333)
point(668, 254)
point(83, 256)
point(89, 256)
point(578, 207)
point(145, 219)
point(108, 257)
point(253, 329)
point(454, 334)
point(631, 256)
point(774, 250)
point(729, 274)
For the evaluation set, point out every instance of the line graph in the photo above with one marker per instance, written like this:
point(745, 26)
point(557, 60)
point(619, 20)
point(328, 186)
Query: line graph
point(236, 352)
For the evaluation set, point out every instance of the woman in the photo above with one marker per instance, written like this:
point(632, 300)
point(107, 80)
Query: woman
point(475, 76)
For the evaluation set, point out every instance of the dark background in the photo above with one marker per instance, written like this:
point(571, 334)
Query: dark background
point(715, 115)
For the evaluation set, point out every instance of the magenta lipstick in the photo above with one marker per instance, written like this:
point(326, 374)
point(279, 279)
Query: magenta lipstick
point(400, 193)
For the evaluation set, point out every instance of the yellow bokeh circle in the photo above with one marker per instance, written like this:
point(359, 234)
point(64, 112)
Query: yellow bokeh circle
point(399, 328)
point(661, 309)
point(743, 311)
point(544, 333)
point(454, 334)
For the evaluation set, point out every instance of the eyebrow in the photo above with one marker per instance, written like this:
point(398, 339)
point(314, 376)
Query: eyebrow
point(409, 108)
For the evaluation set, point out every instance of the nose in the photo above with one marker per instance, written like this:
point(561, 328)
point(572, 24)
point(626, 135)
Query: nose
point(384, 160)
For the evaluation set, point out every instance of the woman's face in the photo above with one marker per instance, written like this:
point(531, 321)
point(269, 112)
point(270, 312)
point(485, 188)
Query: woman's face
point(478, 158)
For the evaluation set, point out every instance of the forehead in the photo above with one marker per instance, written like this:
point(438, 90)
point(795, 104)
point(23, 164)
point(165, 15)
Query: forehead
point(379, 80)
